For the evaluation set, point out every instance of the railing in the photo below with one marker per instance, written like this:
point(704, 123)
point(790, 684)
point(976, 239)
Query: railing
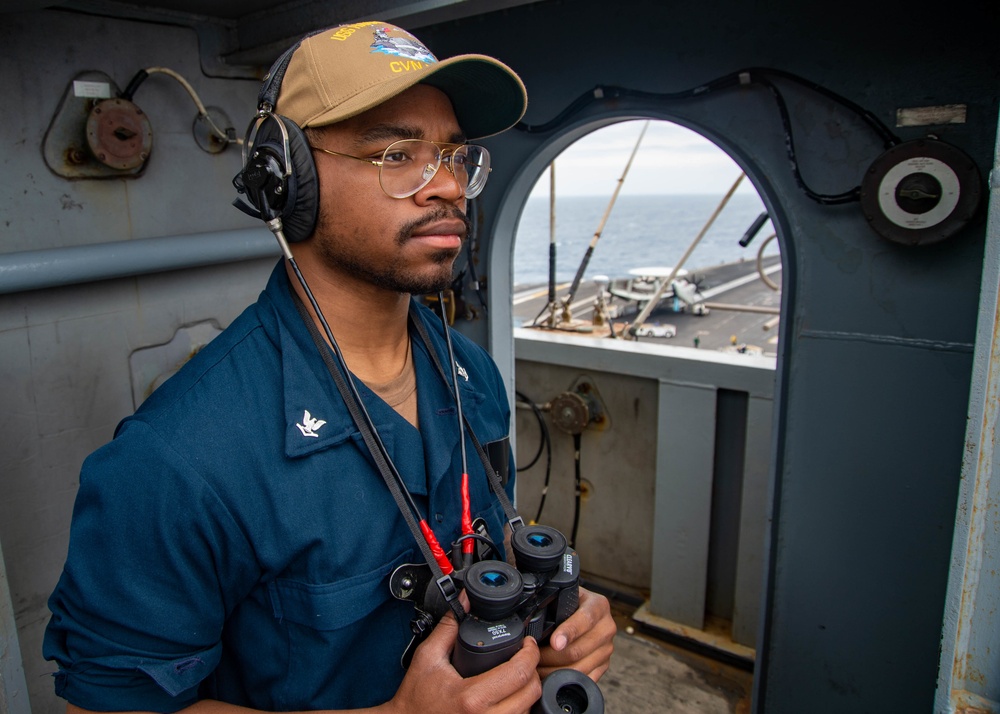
point(675, 481)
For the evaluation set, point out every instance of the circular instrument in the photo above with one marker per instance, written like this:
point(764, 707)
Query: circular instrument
point(921, 191)
point(119, 134)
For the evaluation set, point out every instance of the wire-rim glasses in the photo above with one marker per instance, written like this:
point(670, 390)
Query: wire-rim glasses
point(406, 166)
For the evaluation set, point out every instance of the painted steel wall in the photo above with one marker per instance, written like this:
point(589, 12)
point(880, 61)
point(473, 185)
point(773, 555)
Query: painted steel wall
point(65, 379)
point(877, 343)
point(673, 474)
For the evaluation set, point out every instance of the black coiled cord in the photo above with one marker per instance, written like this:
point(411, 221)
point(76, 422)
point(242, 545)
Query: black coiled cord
point(755, 75)
point(545, 443)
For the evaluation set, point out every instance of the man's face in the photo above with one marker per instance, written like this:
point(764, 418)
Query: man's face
point(405, 245)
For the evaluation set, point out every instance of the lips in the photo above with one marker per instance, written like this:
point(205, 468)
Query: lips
point(445, 235)
point(441, 228)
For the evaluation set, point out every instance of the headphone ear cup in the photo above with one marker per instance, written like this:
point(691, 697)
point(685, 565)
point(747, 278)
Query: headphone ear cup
point(302, 208)
point(294, 198)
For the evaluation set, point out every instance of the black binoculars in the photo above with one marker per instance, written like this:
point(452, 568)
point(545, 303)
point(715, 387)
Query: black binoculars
point(509, 604)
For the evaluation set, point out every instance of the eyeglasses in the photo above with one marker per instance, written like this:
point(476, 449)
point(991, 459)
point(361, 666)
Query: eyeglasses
point(408, 165)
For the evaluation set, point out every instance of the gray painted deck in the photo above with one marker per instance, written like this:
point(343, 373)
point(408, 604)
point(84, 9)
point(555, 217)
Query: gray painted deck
point(649, 675)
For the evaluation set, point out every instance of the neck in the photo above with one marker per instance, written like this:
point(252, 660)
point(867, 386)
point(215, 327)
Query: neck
point(369, 324)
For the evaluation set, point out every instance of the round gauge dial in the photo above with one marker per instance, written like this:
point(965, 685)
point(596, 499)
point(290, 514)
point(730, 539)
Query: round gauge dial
point(920, 191)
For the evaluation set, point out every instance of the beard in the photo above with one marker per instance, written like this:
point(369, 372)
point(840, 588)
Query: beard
point(391, 275)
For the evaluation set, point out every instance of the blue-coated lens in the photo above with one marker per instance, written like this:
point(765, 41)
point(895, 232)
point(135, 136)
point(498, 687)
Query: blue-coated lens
point(539, 540)
point(493, 579)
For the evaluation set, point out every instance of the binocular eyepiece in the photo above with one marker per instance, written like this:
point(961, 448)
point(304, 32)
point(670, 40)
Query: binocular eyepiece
point(567, 691)
point(538, 548)
point(495, 588)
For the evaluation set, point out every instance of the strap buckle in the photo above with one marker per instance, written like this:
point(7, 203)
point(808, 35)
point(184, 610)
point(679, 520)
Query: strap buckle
point(449, 591)
point(447, 587)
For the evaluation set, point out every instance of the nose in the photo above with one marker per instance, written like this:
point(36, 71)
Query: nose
point(444, 184)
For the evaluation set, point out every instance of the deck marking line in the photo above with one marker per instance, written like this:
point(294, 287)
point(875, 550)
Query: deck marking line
point(534, 293)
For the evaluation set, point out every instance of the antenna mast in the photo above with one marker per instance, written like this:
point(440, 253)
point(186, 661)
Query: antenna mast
point(567, 301)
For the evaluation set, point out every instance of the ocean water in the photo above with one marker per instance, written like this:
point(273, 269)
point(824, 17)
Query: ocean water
point(641, 231)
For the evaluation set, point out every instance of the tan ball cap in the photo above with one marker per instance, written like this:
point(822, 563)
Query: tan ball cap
point(343, 71)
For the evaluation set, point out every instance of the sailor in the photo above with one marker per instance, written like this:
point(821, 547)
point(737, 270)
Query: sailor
point(231, 546)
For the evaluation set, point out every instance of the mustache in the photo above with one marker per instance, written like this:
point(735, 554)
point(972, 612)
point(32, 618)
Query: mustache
point(441, 214)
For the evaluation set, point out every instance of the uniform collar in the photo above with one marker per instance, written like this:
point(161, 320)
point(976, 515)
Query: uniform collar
point(315, 415)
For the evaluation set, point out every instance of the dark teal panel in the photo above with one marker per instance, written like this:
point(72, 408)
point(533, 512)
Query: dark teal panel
point(864, 536)
point(877, 341)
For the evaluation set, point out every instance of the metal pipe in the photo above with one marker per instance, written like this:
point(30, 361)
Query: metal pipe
point(552, 243)
point(54, 267)
point(762, 309)
point(552, 232)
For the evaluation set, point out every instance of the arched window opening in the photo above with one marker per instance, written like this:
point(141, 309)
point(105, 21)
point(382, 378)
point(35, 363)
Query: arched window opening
point(632, 201)
point(650, 452)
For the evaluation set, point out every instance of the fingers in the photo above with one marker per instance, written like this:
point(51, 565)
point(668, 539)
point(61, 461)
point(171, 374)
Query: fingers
point(444, 634)
point(508, 688)
point(432, 684)
point(584, 641)
point(592, 611)
point(434, 653)
point(589, 654)
point(594, 664)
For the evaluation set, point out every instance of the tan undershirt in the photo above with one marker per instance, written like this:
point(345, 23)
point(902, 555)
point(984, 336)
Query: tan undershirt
point(400, 392)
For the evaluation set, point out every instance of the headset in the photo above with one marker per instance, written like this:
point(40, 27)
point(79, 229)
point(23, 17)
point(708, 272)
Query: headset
point(278, 177)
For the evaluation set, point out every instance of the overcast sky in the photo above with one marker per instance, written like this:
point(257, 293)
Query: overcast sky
point(671, 160)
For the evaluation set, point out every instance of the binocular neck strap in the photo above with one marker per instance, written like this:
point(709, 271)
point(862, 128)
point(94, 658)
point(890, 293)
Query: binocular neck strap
point(444, 582)
point(513, 518)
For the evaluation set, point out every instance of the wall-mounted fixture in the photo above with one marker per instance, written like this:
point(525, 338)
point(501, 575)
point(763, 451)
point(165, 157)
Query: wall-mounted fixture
point(98, 132)
point(95, 134)
point(921, 191)
point(579, 408)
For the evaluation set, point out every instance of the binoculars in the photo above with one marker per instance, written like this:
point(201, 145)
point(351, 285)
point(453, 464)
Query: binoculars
point(508, 604)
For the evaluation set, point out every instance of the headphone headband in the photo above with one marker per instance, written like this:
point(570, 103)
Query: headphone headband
point(267, 98)
point(278, 178)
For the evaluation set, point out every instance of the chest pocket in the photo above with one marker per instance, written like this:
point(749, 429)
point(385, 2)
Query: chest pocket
point(331, 606)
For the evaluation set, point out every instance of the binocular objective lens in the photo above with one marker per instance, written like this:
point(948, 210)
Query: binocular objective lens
point(494, 589)
point(539, 540)
point(538, 549)
point(493, 579)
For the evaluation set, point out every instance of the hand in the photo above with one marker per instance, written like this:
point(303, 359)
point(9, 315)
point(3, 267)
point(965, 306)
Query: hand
point(583, 642)
point(431, 684)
